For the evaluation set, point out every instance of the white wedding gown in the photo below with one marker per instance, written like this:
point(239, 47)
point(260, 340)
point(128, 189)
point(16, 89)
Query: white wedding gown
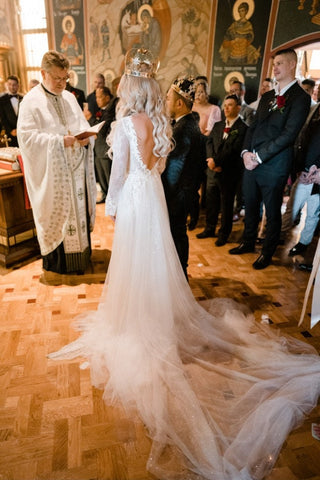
point(217, 391)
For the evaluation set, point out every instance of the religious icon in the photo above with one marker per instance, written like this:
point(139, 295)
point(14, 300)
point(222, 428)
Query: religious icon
point(237, 48)
point(70, 45)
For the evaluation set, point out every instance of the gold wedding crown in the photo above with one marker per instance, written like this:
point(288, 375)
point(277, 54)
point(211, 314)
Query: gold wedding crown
point(140, 62)
point(185, 86)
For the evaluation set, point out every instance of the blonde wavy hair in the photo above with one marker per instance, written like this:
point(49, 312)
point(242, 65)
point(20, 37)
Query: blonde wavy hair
point(143, 95)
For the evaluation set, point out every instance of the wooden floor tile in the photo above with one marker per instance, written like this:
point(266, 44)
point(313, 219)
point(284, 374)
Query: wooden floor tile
point(55, 426)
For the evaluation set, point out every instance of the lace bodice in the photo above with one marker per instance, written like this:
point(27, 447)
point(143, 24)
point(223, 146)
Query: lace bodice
point(127, 160)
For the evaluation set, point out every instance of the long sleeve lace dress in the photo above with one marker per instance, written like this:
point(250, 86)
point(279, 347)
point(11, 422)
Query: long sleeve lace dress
point(217, 392)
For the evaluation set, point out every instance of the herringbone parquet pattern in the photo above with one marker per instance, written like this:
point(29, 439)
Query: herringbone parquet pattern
point(55, 426)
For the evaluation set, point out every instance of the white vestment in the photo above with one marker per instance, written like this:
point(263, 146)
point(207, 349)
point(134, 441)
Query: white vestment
point(60, 181)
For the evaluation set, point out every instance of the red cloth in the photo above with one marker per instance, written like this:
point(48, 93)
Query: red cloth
point(27, 203)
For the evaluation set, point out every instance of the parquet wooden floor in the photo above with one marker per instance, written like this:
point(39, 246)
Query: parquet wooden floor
point(55, 426)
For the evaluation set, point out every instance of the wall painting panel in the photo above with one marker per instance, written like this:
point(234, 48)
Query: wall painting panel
point(241, 29)
point(176, 31)
point(69, 37)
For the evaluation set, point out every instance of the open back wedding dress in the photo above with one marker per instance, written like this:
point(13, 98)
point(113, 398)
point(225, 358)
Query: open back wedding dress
point(217, 392)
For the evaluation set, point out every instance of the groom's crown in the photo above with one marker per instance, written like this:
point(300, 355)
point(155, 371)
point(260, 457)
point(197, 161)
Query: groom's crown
point(140, 62)
point(186, 87)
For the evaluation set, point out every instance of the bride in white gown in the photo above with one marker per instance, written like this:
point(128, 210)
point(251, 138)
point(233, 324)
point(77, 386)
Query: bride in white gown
point(217, 392)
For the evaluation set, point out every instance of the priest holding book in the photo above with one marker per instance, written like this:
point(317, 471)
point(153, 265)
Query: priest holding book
point(59, 168)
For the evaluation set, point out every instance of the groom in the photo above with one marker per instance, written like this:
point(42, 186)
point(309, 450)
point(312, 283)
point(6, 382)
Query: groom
point(182, 170)
point(267, 155)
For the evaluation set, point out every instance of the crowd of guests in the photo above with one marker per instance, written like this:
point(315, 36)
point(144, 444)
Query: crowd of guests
point(236, 157)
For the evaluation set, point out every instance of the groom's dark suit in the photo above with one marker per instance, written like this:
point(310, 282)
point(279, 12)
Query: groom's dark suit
point(180, 178)
point(226, 154)
point(272, 136)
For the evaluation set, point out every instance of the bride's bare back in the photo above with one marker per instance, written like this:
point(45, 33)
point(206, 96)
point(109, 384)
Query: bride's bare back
point(144, 132)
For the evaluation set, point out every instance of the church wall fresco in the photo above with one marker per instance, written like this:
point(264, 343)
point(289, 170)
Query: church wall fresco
point(241, 30)
point(296, 19)
point(69, 37)
point(176, 31)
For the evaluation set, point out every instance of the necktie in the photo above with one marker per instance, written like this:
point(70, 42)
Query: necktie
point(226, 130)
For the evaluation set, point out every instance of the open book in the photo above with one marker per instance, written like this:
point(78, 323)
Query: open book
point(94, 130)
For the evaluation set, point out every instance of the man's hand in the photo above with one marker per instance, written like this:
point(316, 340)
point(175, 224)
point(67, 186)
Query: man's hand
point(84, 142)
point(69, 140)
point(304, 178)
point(250, 161)
point(314, 175)
point(211, 163)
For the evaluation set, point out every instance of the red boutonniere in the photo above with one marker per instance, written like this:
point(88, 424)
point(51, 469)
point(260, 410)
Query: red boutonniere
point(278, 103)
point(98, 114)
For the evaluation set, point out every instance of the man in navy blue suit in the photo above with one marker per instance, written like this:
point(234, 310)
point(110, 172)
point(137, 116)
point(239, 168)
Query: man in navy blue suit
point(268, 153)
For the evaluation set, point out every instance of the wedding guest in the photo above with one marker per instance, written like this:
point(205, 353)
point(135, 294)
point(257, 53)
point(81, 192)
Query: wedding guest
point(102, 161)
point(99, 82)
point(307, 155)
point(209, 114)
point(266, 86)
point(78, 93)
point(225, 167)
point(9, 109)
point(246, 112)
point(308, 86)
point(268, 155)
point(33, 82)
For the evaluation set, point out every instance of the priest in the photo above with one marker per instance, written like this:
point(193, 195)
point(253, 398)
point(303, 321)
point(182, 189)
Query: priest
point(59, 169)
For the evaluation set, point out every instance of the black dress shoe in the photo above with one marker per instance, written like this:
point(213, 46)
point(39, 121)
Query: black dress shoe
point(192, 225)
point(242, 248)
point(206, 234)
point(297, 249)
point(220, 242)
point(262, 262)
point(305, 267)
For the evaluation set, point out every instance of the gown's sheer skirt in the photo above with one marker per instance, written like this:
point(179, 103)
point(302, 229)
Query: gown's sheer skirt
point(217, 392)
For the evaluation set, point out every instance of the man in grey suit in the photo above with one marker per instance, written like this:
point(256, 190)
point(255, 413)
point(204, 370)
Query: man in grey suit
point(268, 153)
point(246, 112)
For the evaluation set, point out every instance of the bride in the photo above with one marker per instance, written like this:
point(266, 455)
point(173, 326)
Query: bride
point(217, 392)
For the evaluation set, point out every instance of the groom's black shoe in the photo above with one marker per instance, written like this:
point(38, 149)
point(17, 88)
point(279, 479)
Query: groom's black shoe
point(242, 248)
point(206, 234)
point(262, 262)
